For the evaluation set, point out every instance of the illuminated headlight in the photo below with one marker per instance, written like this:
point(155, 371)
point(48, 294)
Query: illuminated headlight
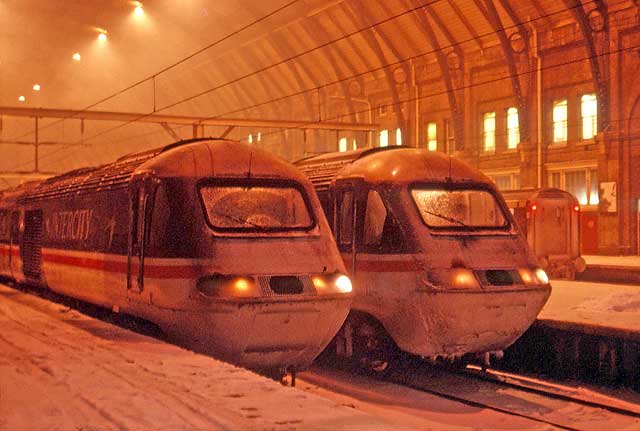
point(226, 286)
point(456, 278)
point(533, 276)
point(542, 276)
point(334, 283)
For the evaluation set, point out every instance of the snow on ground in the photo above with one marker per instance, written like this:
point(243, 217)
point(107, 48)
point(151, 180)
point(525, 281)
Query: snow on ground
point(597, 304)
point(621, 261)
point(61, 370)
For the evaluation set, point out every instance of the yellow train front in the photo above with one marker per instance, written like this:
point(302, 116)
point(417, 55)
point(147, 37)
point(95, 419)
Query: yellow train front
point(223, 246)
point(437, 264)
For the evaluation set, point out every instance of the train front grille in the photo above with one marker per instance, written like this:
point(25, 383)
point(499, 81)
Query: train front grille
point(499, 277)
point(286, 285)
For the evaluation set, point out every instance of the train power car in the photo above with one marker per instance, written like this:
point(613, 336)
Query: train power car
point(550, 219)
point(438, 267)
point(223, 246)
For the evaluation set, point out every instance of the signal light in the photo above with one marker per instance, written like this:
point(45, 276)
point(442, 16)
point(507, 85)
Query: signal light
point(534, 207)
point(576, 208)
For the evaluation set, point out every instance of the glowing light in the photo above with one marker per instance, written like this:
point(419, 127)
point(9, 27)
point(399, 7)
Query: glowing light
point(319, 283)
point(77, 56)
point(542, 276)
point(576, 208)
point(139, 11)
point(344, 284)
point(241, 285)
point(102, 37)
point(534, 207)
point(36, 87)
point(525, 275)
point(21, 99)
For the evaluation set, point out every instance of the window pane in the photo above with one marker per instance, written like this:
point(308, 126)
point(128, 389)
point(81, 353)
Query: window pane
point(374, 219)
point(589, 109)
point(432, 137)
point(594, 199)
point(503, 182)
point(513, 128)
point(576, 183)
point(246, 207)
point(555, 180)
point(342, 145)
point(398, 137)
point(384, 138)
point(489, 130)
point(560, 121)
point(459, 208)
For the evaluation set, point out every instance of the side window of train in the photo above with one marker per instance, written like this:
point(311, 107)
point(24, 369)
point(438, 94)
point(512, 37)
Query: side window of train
point(345, 221)
point(159, 220)
point(382, 233)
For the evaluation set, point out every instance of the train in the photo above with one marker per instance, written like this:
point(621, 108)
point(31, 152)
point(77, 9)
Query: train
point(438, 266)
point(550, 220)
point(221, 245)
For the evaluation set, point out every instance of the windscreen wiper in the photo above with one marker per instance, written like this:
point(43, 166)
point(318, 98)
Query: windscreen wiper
point(447, 218)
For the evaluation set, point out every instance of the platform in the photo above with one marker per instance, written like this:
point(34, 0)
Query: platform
point(611, 269)
point(586, 329)
point(62, 370)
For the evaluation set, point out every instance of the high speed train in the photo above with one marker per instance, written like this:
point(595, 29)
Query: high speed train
point(438, 267)
point(223, 246)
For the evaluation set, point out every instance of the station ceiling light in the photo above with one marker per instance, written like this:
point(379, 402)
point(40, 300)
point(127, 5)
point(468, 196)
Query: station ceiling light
point(21, 99)
point(36, 87)
point(102, 37)
point(77, 56)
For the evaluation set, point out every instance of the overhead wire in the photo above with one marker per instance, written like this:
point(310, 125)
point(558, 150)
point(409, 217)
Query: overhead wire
point(261, 70)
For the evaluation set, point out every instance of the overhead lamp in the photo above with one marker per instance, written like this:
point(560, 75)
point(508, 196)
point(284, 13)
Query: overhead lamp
point(36, 87)
point(77, 56)
point(21, 99)
point(139, 11)
point(102, 37)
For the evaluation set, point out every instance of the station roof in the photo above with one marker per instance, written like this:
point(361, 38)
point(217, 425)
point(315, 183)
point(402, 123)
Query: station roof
point(238, 59)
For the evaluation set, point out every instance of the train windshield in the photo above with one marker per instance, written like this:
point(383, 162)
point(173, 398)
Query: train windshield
point(463, 209)
point(277, 207)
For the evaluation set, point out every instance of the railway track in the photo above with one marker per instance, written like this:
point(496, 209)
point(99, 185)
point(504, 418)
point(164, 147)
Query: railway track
point(547, 403)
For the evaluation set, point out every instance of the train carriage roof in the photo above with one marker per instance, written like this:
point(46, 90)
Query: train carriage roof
point(202, 159)
point(388, 164)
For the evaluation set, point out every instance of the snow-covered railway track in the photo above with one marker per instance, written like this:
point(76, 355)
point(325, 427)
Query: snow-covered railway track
point(542, 403)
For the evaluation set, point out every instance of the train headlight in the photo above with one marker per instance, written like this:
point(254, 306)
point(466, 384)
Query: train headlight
point(533, 276)
point(227, 286)
point(542, 276)
point(462, 278)
point(334, 283)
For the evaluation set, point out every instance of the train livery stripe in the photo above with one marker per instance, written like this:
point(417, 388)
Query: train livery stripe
point(102, 262)
point(389, 264)
point(5, 250)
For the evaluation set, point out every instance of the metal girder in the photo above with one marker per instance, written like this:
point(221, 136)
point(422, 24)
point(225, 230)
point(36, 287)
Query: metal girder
point(27, 174)
point(42, 143)
point(226, 132)
point(170, 131)
point(457, 108)
point(491, 15)
point(598, 63)
point(466, 23)
point(370, 38)
point(184, 120)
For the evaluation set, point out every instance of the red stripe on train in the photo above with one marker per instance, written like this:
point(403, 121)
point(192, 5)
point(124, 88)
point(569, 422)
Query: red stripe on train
point(151, 271)
point(385, 265)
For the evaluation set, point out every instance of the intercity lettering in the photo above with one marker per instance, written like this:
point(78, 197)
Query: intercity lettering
point(73, 225)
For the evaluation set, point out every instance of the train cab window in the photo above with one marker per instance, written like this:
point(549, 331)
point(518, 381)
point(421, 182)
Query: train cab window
point(249, 207)
point(459, 209)
point(381, 232)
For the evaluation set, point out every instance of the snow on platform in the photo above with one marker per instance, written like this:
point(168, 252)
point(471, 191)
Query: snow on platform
point(598, 308)
point(613, 261)
point(62, 370)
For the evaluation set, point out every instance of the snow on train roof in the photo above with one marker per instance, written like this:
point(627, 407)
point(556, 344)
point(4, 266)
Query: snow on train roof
point(203, 157)
point(397, 164)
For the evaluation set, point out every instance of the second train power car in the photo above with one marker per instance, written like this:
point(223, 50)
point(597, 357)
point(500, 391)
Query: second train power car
point(438, 267)
point(223, 246)
point(550, 219)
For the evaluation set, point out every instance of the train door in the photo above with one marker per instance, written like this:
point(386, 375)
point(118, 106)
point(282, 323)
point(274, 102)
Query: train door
point(140, 205)
point(347, 211)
